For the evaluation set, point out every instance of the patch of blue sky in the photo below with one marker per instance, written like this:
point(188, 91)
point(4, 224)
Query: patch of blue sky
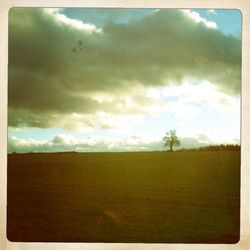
point(229, 21)
point(34, 133)
point(156, 127)
point(170, 98)
point(43, 133)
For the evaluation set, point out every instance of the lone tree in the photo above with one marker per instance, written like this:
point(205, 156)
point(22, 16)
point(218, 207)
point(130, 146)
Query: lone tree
point(171, 140)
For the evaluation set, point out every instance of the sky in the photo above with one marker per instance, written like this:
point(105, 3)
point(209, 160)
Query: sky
point(87, 79)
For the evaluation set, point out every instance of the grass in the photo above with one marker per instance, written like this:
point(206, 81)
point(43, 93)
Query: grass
point(151, 197)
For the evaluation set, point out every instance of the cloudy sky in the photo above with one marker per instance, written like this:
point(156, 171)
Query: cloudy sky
point(119, 79)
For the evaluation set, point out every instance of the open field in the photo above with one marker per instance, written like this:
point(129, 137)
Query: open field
point(124, 197)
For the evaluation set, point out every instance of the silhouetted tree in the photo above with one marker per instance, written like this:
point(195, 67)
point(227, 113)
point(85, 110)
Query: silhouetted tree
point(171, 140)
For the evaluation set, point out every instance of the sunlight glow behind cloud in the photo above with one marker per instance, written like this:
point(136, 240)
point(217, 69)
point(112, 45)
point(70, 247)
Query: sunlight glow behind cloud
point(163, 68)
point(68, 66)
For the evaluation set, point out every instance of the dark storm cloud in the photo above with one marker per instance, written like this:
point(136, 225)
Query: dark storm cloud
point(56, 68)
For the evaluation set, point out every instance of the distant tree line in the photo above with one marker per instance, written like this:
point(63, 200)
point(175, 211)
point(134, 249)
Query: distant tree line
point(171, 140)
point(221, 147)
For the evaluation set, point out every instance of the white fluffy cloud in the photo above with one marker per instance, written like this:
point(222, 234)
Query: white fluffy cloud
point(197, 18)
point(90, 144)
point(75, 24)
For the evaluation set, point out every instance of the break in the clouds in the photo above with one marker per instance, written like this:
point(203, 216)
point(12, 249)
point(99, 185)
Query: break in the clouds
point(71, 74)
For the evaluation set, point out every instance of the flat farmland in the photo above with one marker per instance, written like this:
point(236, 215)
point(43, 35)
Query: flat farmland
point(150, 197)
